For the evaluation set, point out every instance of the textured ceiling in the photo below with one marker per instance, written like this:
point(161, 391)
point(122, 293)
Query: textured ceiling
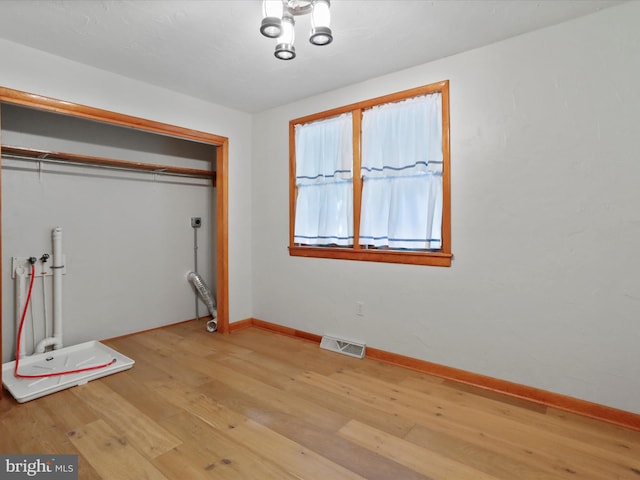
point(213, 50)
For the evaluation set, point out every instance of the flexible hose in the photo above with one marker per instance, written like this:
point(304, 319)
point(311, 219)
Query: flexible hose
point(33, 328)
point(205, 294)
point(24, 314)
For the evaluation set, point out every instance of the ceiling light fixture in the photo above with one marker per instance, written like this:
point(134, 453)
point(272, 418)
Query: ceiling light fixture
point(277, 22)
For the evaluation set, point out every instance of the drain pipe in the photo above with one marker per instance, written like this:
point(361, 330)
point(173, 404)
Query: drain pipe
point(205, 294)
point(195, 224)
point(21, 289)
point(57, 265)
point(202, 292)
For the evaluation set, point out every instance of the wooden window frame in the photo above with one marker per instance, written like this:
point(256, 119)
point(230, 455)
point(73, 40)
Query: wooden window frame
point(441, 257)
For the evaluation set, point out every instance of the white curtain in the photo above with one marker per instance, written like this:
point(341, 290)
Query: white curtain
point(402, 174)
point(324, 180)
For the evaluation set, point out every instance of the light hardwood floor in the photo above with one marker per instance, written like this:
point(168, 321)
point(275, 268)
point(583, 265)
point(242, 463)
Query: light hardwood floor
point(258, 405)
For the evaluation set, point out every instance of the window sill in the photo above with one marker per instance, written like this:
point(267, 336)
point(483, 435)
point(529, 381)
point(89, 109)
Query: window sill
point(436, 259)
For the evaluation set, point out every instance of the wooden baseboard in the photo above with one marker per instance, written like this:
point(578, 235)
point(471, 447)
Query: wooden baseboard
point(240, 325)
point(285, 330)
point(550, 399)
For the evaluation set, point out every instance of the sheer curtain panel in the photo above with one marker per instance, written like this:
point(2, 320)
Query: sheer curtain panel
point(324, 182)
point(401, 171)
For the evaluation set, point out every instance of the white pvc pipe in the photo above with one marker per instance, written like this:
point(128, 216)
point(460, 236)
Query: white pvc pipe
point(21, 291)
point(57, 264)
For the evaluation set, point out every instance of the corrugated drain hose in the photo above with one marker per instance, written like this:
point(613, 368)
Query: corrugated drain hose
point(207, 297)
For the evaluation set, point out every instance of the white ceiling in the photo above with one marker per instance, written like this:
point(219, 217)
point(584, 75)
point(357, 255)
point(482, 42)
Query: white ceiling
point(213, 49)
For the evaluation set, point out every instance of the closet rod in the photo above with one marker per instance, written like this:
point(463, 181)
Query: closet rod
point(72, 158)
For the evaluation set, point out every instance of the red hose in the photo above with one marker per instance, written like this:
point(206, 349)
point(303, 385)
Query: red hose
point(24, 314)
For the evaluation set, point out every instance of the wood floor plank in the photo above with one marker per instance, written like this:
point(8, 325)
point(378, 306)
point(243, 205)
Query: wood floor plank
point(36, 433)
point(129, 422)
point(295, 459)
point(618, 435)
point(419, 459)
point(128, 385)
point(324, 390)
point(33, 428)
point(111, 455)
point(7, 404)
point(145, 368)
point(388, 372)
point(198, 404)
point(23, 422)
point(208, 452)
point(491, 395)
point(274, 372)
point(67, 410)
point(497, 464)
point(206, 343)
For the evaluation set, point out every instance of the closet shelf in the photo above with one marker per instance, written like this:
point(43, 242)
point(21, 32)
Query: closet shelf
point(43, 155)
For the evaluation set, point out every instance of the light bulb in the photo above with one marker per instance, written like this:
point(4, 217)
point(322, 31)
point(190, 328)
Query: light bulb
point(284, 47)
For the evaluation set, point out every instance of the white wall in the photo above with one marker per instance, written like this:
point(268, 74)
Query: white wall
point(544, 286)
point(37, 72)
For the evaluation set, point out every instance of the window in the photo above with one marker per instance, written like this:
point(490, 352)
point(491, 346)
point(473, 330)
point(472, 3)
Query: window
point(370, 181)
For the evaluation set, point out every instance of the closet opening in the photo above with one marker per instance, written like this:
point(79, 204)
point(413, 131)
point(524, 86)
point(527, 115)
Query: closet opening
point(125, 190)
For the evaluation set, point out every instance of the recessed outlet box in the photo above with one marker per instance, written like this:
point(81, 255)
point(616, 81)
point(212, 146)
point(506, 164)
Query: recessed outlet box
point(196, 222)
